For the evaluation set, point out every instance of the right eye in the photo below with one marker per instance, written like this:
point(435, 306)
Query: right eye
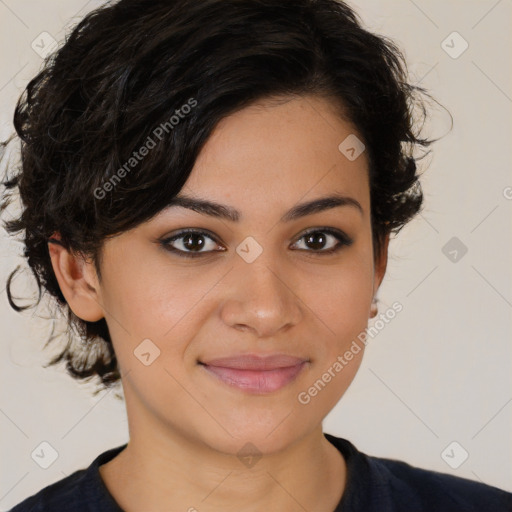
point(188, 243)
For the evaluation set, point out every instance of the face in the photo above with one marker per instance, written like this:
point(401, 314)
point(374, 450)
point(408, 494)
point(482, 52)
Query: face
point(269, 283)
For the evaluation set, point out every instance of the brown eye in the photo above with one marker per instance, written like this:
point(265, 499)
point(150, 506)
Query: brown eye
point(190, 243)
point(323, 240)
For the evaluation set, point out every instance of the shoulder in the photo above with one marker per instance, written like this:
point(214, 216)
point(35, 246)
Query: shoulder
point(82, 491)
point(61, 495)
point(440, 491)
point(382, 484)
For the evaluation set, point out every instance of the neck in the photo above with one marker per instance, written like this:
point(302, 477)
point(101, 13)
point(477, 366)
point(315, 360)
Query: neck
point(174, 472)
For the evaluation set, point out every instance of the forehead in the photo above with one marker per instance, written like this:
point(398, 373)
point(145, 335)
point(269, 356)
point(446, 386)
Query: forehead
point(271, 155)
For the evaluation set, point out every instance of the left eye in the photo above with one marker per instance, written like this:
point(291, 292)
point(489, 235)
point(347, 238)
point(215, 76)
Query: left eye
point(319, 237)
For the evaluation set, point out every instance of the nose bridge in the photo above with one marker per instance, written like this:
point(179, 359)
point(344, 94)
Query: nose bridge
point(259, 296)
point(258, 266)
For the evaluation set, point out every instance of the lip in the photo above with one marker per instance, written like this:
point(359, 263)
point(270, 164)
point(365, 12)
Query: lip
point(254, 373)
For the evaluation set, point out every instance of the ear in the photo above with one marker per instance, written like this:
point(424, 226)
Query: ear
point(381, 262)
point(77, 279)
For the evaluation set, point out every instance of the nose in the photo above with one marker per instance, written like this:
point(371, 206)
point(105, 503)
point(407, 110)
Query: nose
point(261, 297)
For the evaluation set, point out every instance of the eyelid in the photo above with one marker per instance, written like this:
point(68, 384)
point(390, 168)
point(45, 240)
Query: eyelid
point(338, 233)
point(184, 231)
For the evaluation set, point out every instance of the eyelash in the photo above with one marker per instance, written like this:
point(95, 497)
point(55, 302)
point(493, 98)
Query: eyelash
point(343, 240)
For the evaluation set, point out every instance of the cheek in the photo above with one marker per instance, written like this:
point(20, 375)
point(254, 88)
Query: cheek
point(145, 297)
point(340, 298)
point(340, 307)
point(158, 303)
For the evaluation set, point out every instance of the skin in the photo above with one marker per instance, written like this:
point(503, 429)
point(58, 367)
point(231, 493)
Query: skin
point(185, 426)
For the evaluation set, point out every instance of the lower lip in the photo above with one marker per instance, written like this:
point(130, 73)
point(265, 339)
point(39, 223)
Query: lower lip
point(256, 381)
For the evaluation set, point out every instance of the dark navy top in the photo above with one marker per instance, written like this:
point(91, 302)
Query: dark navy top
point(373, 485)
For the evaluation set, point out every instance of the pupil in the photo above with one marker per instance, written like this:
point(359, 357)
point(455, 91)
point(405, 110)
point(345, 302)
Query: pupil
point(311, 240)
point(189, 244)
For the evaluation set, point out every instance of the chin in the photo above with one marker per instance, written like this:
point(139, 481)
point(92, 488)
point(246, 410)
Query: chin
point(259, 435)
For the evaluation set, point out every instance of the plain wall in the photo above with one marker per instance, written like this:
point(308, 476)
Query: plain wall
point(439, 372)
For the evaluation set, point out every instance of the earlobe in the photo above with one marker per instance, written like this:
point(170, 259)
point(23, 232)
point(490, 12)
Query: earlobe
point(382, 262)
point(380, 271)
point(374, 309)
point(77, 280)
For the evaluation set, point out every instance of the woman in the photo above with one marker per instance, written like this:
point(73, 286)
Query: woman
point(208, 190)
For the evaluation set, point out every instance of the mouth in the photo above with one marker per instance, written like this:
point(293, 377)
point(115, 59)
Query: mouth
point(255, 374)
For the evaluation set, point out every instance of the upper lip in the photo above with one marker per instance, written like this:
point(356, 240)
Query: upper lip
point(256, 362)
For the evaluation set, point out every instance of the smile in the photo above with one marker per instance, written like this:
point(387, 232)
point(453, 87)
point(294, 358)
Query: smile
point(256, 381)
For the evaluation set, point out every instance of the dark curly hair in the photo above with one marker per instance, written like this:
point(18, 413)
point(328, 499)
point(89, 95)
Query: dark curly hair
point(130, 68)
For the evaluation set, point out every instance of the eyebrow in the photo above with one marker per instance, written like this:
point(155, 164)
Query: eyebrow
point(214, 209)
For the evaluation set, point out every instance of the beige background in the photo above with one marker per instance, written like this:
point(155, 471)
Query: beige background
point(440, 372)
